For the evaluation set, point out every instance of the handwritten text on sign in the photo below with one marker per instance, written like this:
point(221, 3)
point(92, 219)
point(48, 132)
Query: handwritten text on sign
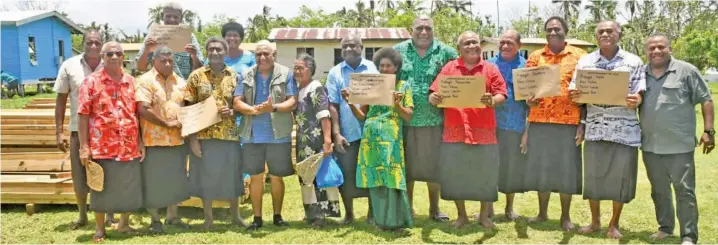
point(372, 89)
point(539, 82)
point(462, 91)
point(176, 37)
point(199, 116)
point(602, 87)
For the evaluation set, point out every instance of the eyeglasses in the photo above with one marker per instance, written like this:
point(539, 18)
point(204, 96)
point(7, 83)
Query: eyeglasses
point(110, 54)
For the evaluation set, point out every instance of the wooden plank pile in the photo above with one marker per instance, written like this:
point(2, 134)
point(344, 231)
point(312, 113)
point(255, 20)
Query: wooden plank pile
point(43, 103)
point(33, 170)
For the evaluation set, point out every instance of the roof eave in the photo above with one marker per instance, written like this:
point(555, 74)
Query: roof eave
point(77, 28)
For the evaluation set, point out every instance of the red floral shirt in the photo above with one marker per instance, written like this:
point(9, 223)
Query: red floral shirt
point(473, 126)
point(113, 129)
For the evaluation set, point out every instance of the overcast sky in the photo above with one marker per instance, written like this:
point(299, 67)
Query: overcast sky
point(130, 15)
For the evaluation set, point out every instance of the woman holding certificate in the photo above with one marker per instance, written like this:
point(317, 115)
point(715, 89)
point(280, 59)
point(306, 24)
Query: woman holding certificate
point(381, 166)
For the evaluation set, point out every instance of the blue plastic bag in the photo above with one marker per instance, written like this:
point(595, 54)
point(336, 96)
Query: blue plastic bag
point(329, 173)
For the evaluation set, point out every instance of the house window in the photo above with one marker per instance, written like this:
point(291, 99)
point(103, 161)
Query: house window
point(525, 53)
point(369, 53)
point(338, 56)
point(31, 50)
point(485, 55)
point(61, 45)
point(492, 53)
point(309, 51)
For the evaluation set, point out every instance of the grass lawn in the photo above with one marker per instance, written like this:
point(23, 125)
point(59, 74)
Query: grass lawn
point(18, 102)
point(638, 221)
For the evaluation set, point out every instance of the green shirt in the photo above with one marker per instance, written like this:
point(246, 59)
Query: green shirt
point(420, 73)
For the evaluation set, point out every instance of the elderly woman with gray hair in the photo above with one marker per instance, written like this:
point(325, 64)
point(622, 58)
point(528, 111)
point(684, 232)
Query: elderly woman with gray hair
point(314, 134)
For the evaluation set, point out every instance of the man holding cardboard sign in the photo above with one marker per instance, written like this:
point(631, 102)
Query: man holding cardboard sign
point(185, 62)
point(612, 131)
point(346, 128)
point(469, 151)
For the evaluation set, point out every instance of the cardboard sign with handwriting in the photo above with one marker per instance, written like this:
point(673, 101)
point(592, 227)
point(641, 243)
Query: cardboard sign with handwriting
point(462, 91)
point(372, 89)
point(175, 37)
point(199, 116)
point(540, 82)
point(602, 87)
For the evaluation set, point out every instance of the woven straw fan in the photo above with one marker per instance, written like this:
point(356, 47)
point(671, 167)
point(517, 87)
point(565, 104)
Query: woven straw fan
point(95, 176)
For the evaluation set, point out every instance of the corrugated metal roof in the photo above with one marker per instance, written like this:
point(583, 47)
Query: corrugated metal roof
point(252, 46)
point(19, 18)
point(301, 34)
point(534, 40)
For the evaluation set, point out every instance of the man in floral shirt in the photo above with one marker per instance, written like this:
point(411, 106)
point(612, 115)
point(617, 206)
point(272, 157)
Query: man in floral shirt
point(109, 135)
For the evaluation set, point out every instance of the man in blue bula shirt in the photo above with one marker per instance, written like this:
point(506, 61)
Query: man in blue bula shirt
point(346, 129)
point(510, 122)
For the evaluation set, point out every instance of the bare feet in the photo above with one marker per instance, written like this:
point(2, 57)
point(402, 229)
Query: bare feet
point(593, 227)
point(461, 222)
point(487, 224)
point(207, 226)
point(439, 217)
point(510, 215)
point(687, 243)
point(126, 230)
point(614, 233)
point(348, 220)
point(538, 219)
point(566, 225)
point(99, 237)
point(74, 225)
point(659, 235)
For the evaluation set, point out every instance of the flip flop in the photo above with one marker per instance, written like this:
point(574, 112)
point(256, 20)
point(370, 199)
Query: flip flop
point(111, 223)
point(440, 217)
point(74, 225)
point(129, 231)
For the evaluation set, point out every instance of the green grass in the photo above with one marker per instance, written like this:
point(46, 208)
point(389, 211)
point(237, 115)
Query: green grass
point(17, 102)
point(49, 225)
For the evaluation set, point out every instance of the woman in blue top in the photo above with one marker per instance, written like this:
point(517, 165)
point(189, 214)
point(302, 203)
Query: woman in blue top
point(239, 60)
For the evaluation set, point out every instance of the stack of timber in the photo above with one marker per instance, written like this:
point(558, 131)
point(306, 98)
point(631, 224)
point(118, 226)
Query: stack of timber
point(33, 170)
point(43, 103)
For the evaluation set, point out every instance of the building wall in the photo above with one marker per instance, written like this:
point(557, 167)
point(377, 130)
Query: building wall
point(8, 46)
point(490, 50)
point(323, 52)
point(47, 33)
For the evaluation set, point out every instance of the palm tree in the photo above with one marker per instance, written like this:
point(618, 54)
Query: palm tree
point(631, 5)
point(570, 8)
point(437, 5)
point(601, 9)
point(188, 16)
point(459, 6)
point(386, 4)
point(363, 14)
point(411, 6)
point(155, 15)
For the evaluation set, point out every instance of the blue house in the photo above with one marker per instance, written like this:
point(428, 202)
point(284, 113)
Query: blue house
point(35, 43)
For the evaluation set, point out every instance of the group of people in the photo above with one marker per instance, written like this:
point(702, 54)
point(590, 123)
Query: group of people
point(129, 126)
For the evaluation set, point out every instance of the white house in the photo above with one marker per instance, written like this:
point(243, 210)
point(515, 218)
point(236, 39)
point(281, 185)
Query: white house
point(324, 44)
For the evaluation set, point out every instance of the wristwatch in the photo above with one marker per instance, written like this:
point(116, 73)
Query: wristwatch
point(274, 108)
point(710, 132)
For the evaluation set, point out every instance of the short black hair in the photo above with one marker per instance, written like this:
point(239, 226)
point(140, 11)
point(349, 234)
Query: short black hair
point(564, 24)
point(233, 26)
point(388, 53)
point(659, 34)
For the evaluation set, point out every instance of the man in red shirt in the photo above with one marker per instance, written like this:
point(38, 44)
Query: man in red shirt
point(109, 135)
point(469, 152)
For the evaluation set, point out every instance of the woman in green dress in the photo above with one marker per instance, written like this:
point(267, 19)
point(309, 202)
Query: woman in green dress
point(380, 166)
